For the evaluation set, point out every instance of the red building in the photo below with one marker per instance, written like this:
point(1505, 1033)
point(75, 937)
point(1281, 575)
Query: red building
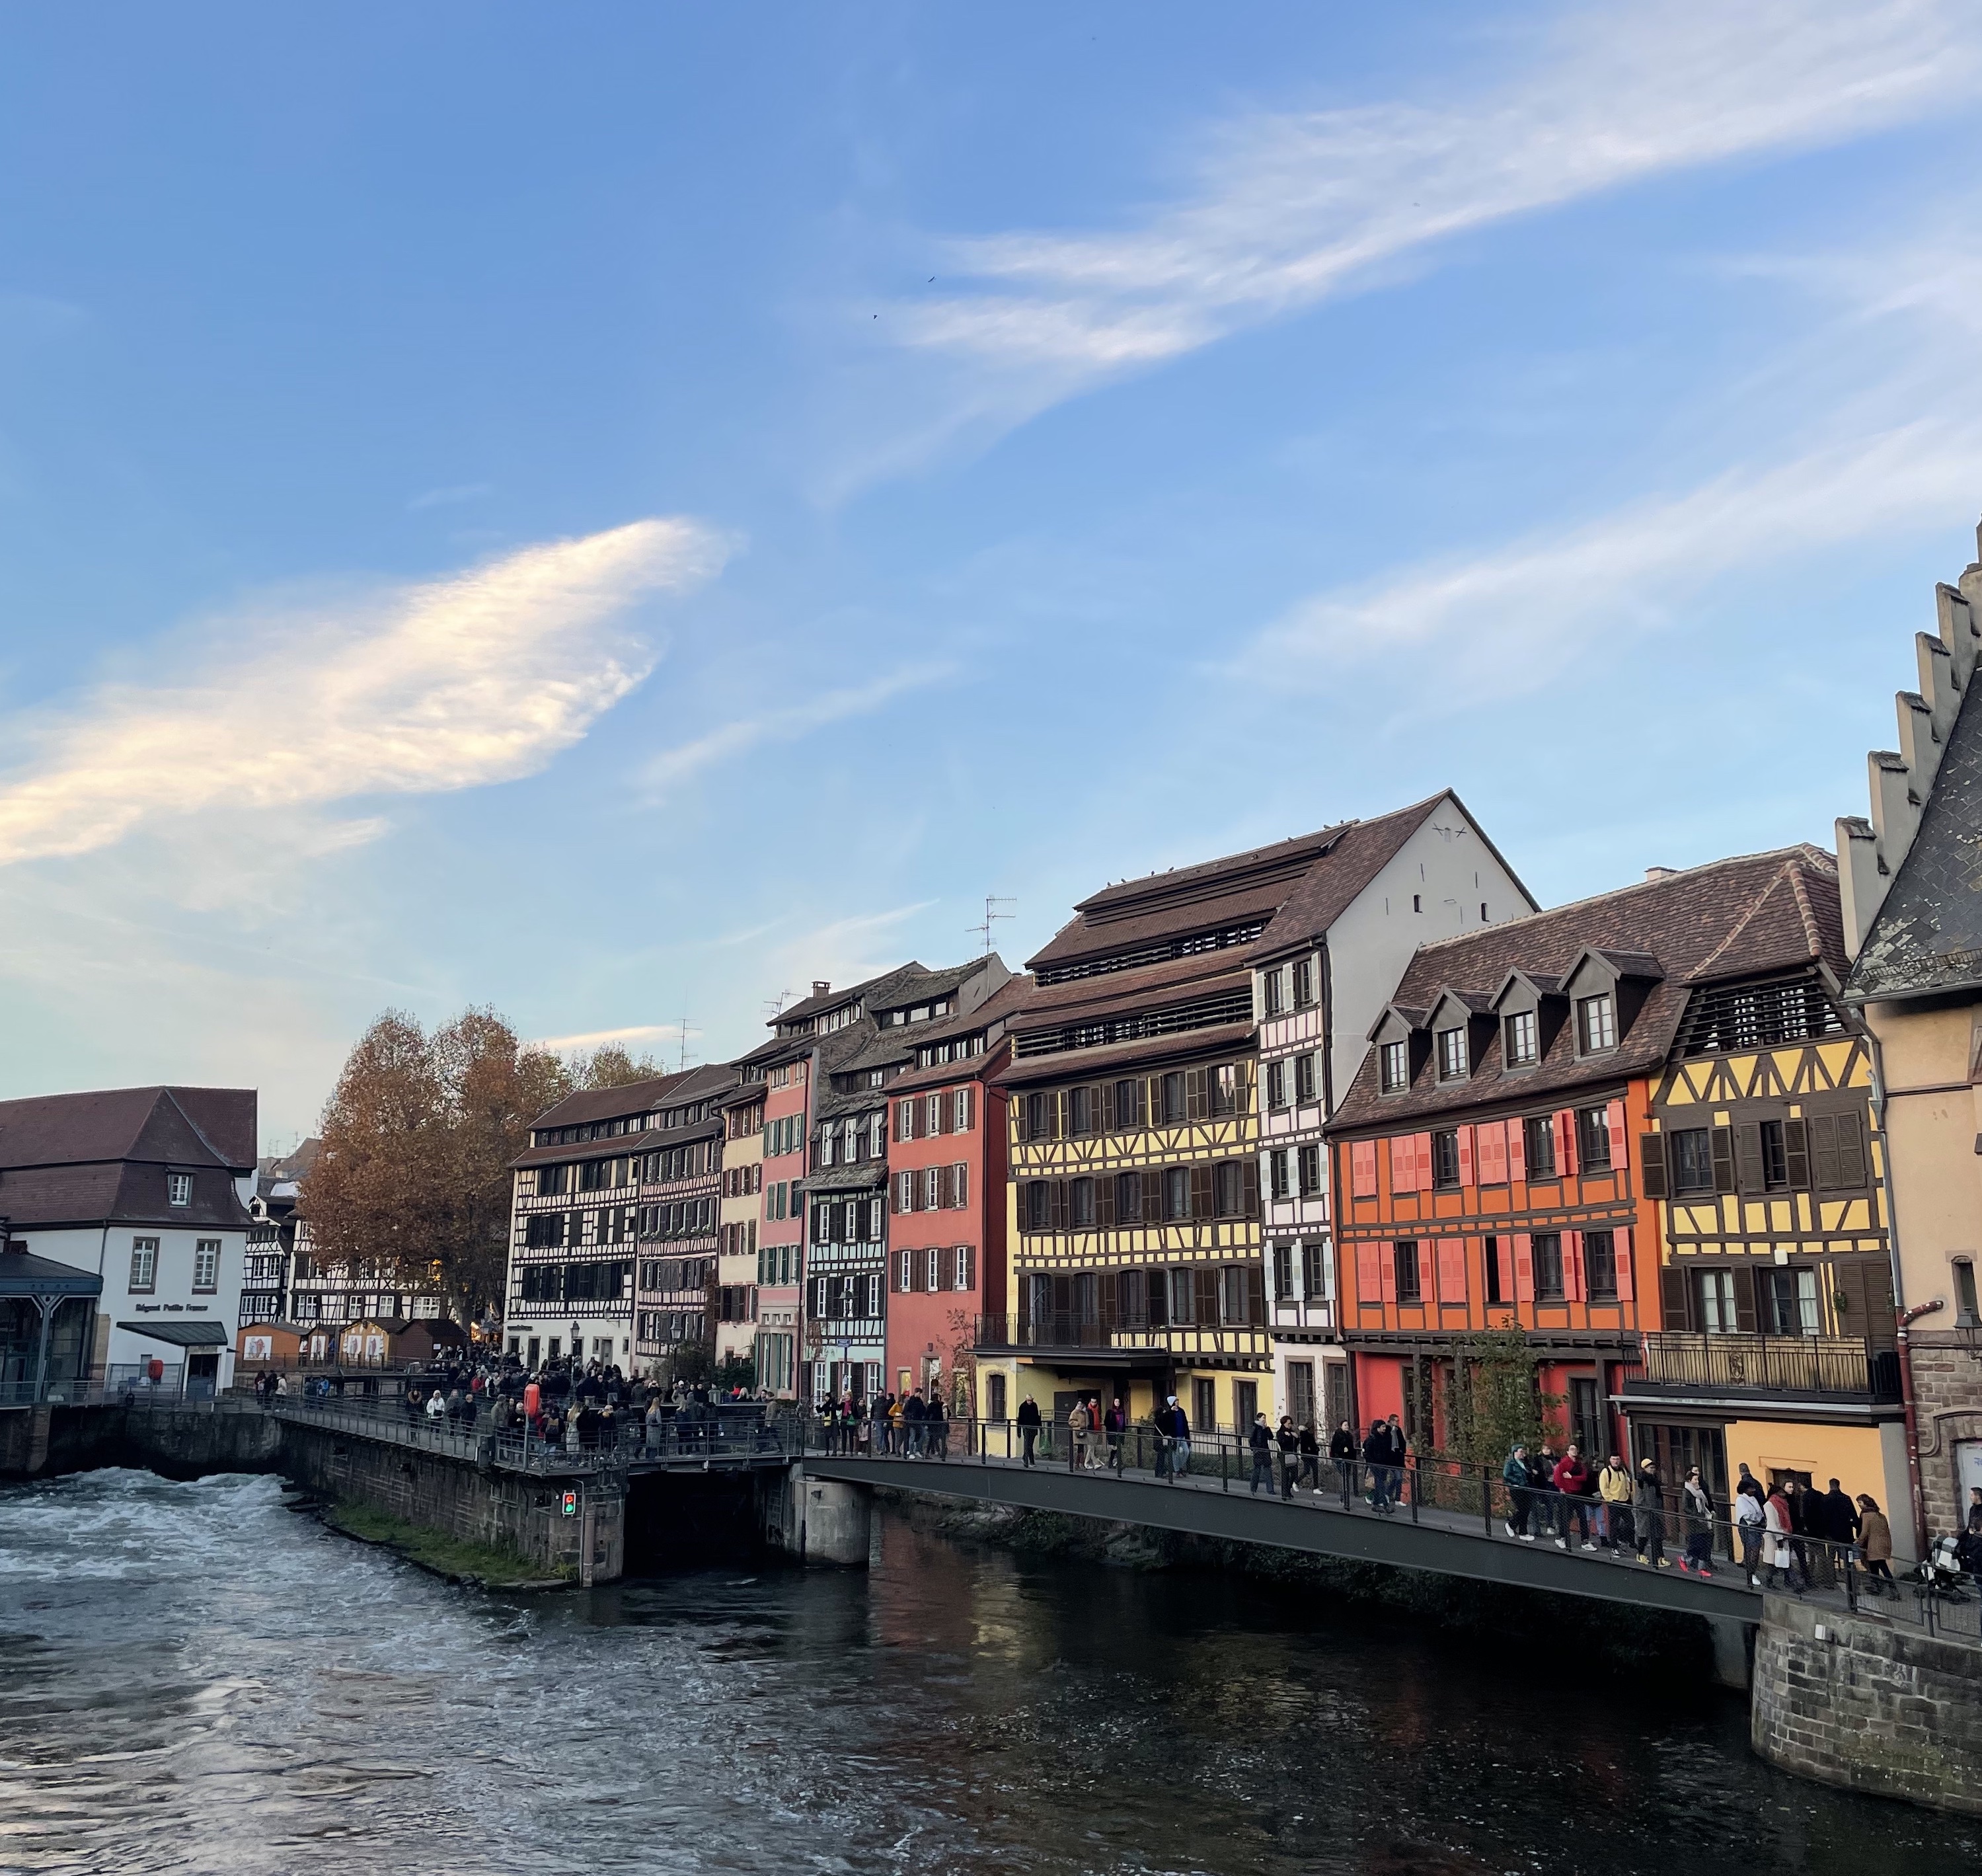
point(785, 1115)
point(946, 1170)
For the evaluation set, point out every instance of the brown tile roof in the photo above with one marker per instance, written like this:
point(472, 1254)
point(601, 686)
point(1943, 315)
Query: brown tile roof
point(1750, 916)
point(591, 1104)
point(1081, 1064)
point(159, 1126)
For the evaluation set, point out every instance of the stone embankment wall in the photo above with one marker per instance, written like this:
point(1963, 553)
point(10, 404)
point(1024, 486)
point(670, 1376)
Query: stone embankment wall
point(500, 1509)
point(179, 1442)
point(1874, 1706)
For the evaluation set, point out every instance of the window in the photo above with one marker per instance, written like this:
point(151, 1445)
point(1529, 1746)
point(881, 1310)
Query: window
point(1081, 1117)
point(178, 1188)
point(1452, 1056)
point(1304, 983)
point(1235, 1302)
point(1775, 1157)
point(1593, 1139)
point(1083, 1202)
point(1417, 902)
point(1314, 1268)
point(1599, 1265)
point(1173, 1106)
point(1538, 1140)
point(1274, 984)
point(206, 1265)
point(1128, 1105)
point(1039, 1118)
point(1494, 1293)
point(1393, 1067)
point(1404, 1257)
point(1283, 1273)
point(1225, 1088)
point(1176, 1192)
point(1445, 1159)
point(1837, 1152)
point(1038, 1206)
point(1227, 1190)
point(1310, 1171)
point(1279, 1182)
point(1183, 1297)
point(1128, 1198)
point(1304, 1077)
point(1596, 1023)
point(959, 1108)
point(1523, 1043)
point(1548, 1267)
point(1716, 1301)
point(1689, 1159)
point(144, 1266)
point(1789, 1302)
point(1967, 1314)
point(1276, 1085)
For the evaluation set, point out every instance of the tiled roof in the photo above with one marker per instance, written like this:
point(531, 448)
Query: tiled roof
point(591, 1104)
point(160, 1125)
point(1748, 916)
point(862, 1176)
point(1079, 1064)
point(1927, 936)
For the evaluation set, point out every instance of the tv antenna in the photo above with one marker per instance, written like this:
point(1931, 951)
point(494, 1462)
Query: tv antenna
point(774, 1006)
point(992, 902)
point(680, 1060)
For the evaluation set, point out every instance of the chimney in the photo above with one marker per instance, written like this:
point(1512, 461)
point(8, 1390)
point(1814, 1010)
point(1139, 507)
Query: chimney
point(819, 989)
point(1661, 872)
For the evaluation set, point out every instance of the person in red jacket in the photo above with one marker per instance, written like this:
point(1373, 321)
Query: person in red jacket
point(1572, 1485)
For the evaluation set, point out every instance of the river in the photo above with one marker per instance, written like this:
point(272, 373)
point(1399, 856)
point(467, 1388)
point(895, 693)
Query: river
point(193, 1678)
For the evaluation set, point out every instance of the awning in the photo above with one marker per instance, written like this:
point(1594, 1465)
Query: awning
point(181, 1334)
point(24, 1274)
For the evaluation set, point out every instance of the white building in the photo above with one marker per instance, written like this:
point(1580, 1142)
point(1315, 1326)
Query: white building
point(1326, 966)
point(147, 1189)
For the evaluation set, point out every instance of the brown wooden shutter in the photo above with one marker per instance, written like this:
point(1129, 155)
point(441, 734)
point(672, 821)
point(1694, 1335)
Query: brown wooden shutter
point(1202, 1197)
point(1104, 1202)
point(1197, 1094)
point(1058, 1204)
point(1248, 1188)
point(1652, 1162)
point(1724, 1159)
point(1796, 1153)
point(1675, 1299)
point(1851, 1167)
point(1744, 1300)
point(1108, 1108)
point(944, 1189)
point(1242, 1088)
point(1748, 1157)
point(1256, 1296)
point(1204, 1283)
point(1153, 1196)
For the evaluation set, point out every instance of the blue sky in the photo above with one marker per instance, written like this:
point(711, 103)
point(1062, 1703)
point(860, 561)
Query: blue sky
point(619, 514)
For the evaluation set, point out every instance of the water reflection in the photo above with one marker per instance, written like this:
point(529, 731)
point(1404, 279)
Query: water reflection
point(193, 1678)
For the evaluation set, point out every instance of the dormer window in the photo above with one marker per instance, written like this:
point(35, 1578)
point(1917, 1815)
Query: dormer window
point(1523, 1044)
point(1596, 1023)
point(178, 1188)
point(1393, 1067)
point(1453, 1065)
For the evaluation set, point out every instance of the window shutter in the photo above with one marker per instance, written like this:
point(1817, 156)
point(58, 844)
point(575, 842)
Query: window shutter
point(943, 1190)
point(1363, 1169)
point(1153, 1196)
point(1652, 1163)
point(1468, 1165)
point(966, 1106)
point(1386, 1272)
point(1422, 1142)
point(1614, 1122)
point(1748, 1157)
point(1242, 1088)
point(1205, 1282)
point(966, 1259)
point(1202, 1197)
point(1824, 1150)
point(1426, 1293)
point(1724, 1159)
point(1675, 1299)
point(1402, 1169)
point(1524, 1267)
point(1744, 1301)
point(1248, 1188)
point(1452, 1269)
point(1058, 1189)
point(1369, 1278)
point(1108, 1108)
point(1575, 1286)
point(1620, 1239)
point(1256, 1296)
point(1104, 1203)
point(1850, 1152)
point(1796, 1153)
point(1196, 1095)
point(1565, 1144)
point(1517, 1151)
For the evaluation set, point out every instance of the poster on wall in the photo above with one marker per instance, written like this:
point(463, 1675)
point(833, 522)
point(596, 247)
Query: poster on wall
point(1968, 1470)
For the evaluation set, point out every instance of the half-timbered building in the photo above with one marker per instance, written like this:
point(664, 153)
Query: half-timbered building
point(738, 1336)
point(679, 1297)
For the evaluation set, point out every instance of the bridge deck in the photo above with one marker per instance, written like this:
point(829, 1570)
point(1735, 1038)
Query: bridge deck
point(1442, 1541)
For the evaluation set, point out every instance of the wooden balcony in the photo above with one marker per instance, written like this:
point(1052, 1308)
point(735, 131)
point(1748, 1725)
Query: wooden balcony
point(1819, 1367)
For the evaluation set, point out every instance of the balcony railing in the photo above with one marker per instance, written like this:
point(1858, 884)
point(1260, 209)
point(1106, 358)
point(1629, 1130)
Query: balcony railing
point(1834, 1366)
point(1065, 1330)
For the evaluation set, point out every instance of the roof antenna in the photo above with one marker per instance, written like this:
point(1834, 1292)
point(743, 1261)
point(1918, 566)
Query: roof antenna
point(681, 1064)
point(992, 902)
point(774, 1006)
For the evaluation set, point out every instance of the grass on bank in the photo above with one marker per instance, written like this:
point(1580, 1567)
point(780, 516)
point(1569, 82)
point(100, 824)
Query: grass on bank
point(491, 1565)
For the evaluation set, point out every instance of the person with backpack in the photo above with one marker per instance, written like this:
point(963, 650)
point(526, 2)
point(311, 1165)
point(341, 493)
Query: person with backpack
point(1613, 1487)
point(1514, 1477)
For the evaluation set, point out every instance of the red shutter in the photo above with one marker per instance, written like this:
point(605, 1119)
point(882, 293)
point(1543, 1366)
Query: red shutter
point(1620, 1143)
point(1622, 1240)
point(1402, 1168)
point(1524, 1267)
point(1489, 1149)
point(1517, 1151)
point(1386, 1271)
point(1565, 1144)
point(1363, 1169)
point(1369, 1282)
point(1425, 1272)
point(1423, 1143)
point(1574, 1289)
point(1467, 1170)
point(1452, 1269)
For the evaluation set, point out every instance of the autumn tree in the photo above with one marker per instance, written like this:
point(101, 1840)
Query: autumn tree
point(414, 1178)
point(610, 1066)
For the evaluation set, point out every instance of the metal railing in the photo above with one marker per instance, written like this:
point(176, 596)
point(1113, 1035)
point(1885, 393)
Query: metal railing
point(126, 1384)
point(1075, 1329)
point(1804, 1364)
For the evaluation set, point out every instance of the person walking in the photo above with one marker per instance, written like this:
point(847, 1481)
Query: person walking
point(1778, 1555)
point(1572, 1483)
point(1260, 1439)
point(1377, 1463)
point(1751, 1521)
point(1514, 1477)
point(1029, 1426)
point(1613, 1487)
point(1289, 1442)
point(1699, 1517)
point(1076, 1434)
point(1649, 1514)
point(1400, 1454)
point(1342, 1450)
point(1310, 1457)
point(1179, 1440)
point(1116, 1425)
point(936, 1428)
point(1097, 1435)
point(1840, 1524)
point(1875, 1546)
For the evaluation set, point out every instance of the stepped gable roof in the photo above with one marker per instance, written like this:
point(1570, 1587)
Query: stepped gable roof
point(1750, 916)
point(156, 1126)
point(1926, 937)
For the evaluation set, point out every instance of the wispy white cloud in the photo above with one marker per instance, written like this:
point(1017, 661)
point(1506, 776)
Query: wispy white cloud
point(1290, 208)
point(451, 684)
point(449, 497)
point(673, 766)
point(595, 1038)
point(1510, 619)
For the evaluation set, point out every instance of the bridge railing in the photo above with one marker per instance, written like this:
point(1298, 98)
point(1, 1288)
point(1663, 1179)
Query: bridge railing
point(1661, 1527)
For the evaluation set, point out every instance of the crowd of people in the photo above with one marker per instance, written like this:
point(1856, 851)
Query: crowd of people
point(916, 1425)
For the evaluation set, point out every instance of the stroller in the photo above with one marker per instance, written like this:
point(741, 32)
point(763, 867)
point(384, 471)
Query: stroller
point(1941, 1571)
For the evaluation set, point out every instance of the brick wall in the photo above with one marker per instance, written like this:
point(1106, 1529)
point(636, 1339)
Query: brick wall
point(1875, 1707)
point(1947, 1407)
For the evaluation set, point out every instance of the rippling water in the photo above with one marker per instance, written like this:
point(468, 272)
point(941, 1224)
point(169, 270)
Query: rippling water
point(192, 1677)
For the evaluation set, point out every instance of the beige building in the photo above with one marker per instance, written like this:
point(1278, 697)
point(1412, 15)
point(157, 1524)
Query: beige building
point(736, 1315)
point(1912, 890)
